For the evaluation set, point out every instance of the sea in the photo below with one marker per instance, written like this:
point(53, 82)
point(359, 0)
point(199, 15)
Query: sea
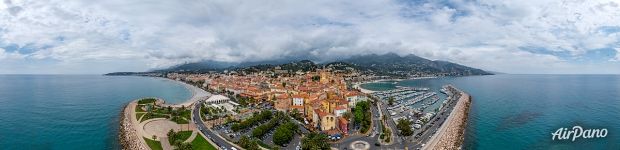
point(522, 111)
point(72, 112)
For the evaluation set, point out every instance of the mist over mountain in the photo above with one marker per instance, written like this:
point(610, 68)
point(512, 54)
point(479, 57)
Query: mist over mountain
point(389, 64)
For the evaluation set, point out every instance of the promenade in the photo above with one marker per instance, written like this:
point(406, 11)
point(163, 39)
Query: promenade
point(132, 131)
point(129, 135)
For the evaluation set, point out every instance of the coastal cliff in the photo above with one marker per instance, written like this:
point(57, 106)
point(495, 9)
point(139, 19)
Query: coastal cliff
point(127, 135)
point(452, 133)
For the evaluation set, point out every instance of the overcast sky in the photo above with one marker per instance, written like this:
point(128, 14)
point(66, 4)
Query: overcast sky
point(87, 37)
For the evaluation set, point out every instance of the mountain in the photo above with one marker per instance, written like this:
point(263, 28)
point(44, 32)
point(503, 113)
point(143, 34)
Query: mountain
point(410, 65)
point(303, 65)
point(389, 64)
point(202, 66)
point(209, 65)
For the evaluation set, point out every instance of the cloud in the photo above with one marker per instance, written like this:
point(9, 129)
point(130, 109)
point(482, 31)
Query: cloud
point(494, 35)
point(4, 55)
point(617, 58)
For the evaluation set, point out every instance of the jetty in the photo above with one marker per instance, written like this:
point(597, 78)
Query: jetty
point(451, 134)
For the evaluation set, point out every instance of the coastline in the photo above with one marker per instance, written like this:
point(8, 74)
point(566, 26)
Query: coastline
point(358, 85)
point(128, 135)
point(197, 93)
point(452, 133)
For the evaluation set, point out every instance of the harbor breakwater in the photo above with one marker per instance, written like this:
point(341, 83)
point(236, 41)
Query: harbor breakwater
point(128, 136)
point(452, 133)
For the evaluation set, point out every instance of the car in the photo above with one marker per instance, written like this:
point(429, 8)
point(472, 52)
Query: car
point(377, 144)
point(233, 148)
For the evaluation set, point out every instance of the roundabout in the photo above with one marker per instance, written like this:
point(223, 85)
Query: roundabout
point(359, 145)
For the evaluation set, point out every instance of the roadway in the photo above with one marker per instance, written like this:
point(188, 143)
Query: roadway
point(218, 140)
point(371, 139)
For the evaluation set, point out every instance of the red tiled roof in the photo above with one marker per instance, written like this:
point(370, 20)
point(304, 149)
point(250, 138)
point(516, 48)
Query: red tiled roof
point(341, 107)
point(320, 113)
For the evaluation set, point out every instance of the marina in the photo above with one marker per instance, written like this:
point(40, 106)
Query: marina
point(414, 104)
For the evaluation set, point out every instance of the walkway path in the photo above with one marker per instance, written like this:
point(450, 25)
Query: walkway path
point(192, 137)
point(165, 145)
point(132, 115)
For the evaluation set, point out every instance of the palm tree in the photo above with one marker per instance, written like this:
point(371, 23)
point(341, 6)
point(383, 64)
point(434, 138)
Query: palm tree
point(315, 141)
point(171, 134)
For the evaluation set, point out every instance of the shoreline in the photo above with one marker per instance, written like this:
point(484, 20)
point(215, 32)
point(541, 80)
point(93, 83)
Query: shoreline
point(128, 135)
point(451, 134)
point(363, 90)
point(196, 93)
point(358, 85)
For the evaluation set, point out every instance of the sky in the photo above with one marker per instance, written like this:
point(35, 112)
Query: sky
point(95, 37)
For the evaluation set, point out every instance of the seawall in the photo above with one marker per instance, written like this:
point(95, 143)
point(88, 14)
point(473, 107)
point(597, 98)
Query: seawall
point(452, 133)
point(127, 136)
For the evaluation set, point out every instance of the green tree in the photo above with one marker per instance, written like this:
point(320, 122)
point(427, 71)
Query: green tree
point(248, 143)
point(285, 133)
point(391, 100)
point(315, 141)
point(171, 134)
point(405, 127)
point(347, 115)
point(295, 114)
point(316, 78)
point(183, 146)
point(362, 116)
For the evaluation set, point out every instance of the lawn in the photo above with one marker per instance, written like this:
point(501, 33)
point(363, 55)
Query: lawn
point(200, 143)
point(146, 101)
point(186, 114)
point(139, 108)
point(154, 145)
point(182, 135)
point(138, 115)
point(180, 120)
point(152, 115)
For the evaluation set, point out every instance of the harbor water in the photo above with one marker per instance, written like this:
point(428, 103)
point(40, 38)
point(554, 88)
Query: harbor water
point(521, 111)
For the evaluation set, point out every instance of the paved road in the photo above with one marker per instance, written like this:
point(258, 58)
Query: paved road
point(219, 141)
point(371, 139)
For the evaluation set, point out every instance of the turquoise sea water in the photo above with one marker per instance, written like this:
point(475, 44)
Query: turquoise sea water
point(521, 111)
point(72, 111)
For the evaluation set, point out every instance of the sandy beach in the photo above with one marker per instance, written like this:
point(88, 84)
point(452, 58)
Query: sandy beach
point(197, 93)
point(367, 91)
point(363, 90)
